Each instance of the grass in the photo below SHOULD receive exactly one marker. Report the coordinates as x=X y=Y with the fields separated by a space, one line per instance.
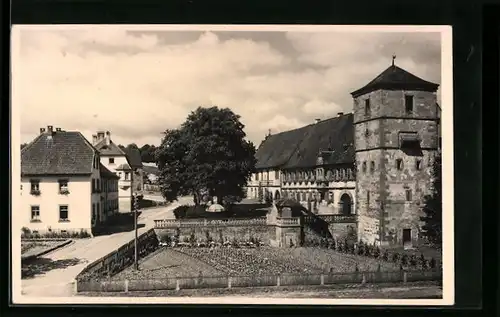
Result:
x=189 y=262
x=368 y=291
x=29 y=248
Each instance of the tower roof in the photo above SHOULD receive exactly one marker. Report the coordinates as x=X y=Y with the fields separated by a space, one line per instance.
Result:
x=396 y=78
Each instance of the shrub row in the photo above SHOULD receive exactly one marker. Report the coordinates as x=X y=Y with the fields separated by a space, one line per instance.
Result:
x=208 y=241
x=369 y=250
x=27 y=234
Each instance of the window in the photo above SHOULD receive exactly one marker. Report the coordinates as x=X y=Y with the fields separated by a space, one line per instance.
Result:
x=111 y=160
x=409 y=104
x=372 y=167
x=35 y=185
x=364 y=167
x=256 y=176
x=63 y=186
x=276 y=175
x=399 y=164
x=367 y=133
x=367 y=107
x=418 y=165
x=367 y=198
x=93 y=185
x=98 y=185
x=63 y=213
x=408 y=195
x=126 y=175
x=35 y=213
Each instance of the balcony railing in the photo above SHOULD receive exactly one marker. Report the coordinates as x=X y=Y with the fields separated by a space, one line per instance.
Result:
x=333 y=218
x=288 y=221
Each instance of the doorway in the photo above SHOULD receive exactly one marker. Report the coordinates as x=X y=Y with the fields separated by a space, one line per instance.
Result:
x=407 y=238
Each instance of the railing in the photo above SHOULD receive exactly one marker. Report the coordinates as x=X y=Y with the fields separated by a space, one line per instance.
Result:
x=173 y=223
x=333 y=218
x=288 y=221
x=224 y=281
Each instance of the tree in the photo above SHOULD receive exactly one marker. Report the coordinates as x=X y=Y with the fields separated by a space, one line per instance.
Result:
x=148 y=153
x=207 y=153
x=432 y=219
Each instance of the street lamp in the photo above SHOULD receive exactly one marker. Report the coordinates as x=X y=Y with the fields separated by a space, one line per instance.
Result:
x=136 y=208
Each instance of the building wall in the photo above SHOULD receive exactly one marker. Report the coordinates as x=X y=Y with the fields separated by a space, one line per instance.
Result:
x=125 y=189
x=382 y=204
x=96 y=201
x=78 y=201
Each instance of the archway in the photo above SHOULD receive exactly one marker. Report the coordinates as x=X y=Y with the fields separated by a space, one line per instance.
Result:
x=277 y=195
x=346 y=204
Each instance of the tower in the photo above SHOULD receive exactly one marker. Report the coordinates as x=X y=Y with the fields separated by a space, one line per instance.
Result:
x=396 y=139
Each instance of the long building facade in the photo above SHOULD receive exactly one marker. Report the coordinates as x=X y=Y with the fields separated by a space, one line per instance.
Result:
x=373 y=164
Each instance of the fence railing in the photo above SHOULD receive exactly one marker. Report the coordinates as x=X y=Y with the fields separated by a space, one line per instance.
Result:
x=198 y=282
x=332 y=218
x=288 y=221
x=173 y=223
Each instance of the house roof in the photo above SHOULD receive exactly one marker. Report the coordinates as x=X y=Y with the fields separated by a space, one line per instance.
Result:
x=395 y=78
x=134 y=157
x=106 y=173
x=151 y=170
x=299 y=148
x=58 y=153
x=123 y=167
x=110 y=149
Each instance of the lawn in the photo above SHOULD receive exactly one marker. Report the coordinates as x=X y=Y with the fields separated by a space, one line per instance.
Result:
x=189 y=262
x=29 y=248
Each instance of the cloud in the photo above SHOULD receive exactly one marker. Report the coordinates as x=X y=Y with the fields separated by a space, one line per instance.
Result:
x=136 y=85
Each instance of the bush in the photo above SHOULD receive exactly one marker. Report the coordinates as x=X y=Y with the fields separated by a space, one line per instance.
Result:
x=413 y=260
x=432 y=264
x=395 y=257
x=385 y=256
x=404 y=260
x=181 y=211
x=376 y=252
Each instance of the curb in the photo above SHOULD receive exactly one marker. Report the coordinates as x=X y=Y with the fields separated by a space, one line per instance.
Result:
x=36 y=255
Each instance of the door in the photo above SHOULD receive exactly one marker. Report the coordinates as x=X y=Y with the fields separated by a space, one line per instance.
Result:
x=407 y=238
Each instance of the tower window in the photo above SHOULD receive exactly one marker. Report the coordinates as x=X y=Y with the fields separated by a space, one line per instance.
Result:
x=372 y=166
x=367 y=107
x=399 y=164
x=418 y=165
x=409 y=104
x=364 y=167
x=367 y=133
x=408 y=195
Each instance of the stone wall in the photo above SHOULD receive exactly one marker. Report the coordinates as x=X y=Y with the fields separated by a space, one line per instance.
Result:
x=242 y=233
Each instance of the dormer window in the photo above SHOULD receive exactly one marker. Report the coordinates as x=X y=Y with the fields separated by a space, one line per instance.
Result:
x=399 y=164
x=409 y=104
x=364 y=167
x=367 y=107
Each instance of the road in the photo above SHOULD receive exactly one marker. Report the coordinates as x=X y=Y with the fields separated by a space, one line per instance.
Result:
x=60 y=281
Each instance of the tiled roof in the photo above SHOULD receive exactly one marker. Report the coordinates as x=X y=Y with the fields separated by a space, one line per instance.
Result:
x=106 y=173
x=300 y=148
x=395 y=78
x=110 y=149
x=59 y=153
x=134 y=157
x=123 y=167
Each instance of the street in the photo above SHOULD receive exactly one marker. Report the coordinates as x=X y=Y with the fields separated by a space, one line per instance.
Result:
x=59 y=281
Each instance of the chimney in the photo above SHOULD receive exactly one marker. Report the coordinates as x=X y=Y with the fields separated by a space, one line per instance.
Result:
x=340 y=114
x=42 y=130
x=50 y=129
x=317 y=120
x=100 y=135
x=94 y=139
x=58 y=129
x=108 y=137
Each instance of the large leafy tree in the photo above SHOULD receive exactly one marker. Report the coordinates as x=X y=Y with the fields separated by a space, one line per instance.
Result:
x=148 y=153
x=207 y=154
x=433 y=213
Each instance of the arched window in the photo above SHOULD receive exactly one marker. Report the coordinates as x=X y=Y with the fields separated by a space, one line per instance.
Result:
x=346 y=204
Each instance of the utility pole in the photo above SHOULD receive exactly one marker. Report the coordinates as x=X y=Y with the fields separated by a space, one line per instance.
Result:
x=136 y=207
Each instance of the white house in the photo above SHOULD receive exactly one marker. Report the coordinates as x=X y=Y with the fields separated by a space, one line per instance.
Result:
x=61 y=181
x=114 y=159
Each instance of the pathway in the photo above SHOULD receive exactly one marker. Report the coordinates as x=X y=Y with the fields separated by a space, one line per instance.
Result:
x=60 y=281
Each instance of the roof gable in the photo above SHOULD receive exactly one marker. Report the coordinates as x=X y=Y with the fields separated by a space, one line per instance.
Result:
x=396 y=78
x=58 y=153
x=300 y=148
x=110 y=149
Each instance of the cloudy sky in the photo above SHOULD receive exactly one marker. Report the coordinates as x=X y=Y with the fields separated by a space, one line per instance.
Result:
x=138 y=83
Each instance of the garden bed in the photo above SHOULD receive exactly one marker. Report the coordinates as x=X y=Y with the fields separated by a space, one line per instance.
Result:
x=191 y=262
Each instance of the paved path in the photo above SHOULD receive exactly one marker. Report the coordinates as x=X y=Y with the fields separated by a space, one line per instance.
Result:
x=60 y=282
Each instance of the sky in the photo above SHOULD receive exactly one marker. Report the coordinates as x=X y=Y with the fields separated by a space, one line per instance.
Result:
x=138 y=83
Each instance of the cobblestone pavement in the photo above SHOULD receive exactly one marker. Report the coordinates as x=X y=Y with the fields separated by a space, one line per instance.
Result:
x=60 y=281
